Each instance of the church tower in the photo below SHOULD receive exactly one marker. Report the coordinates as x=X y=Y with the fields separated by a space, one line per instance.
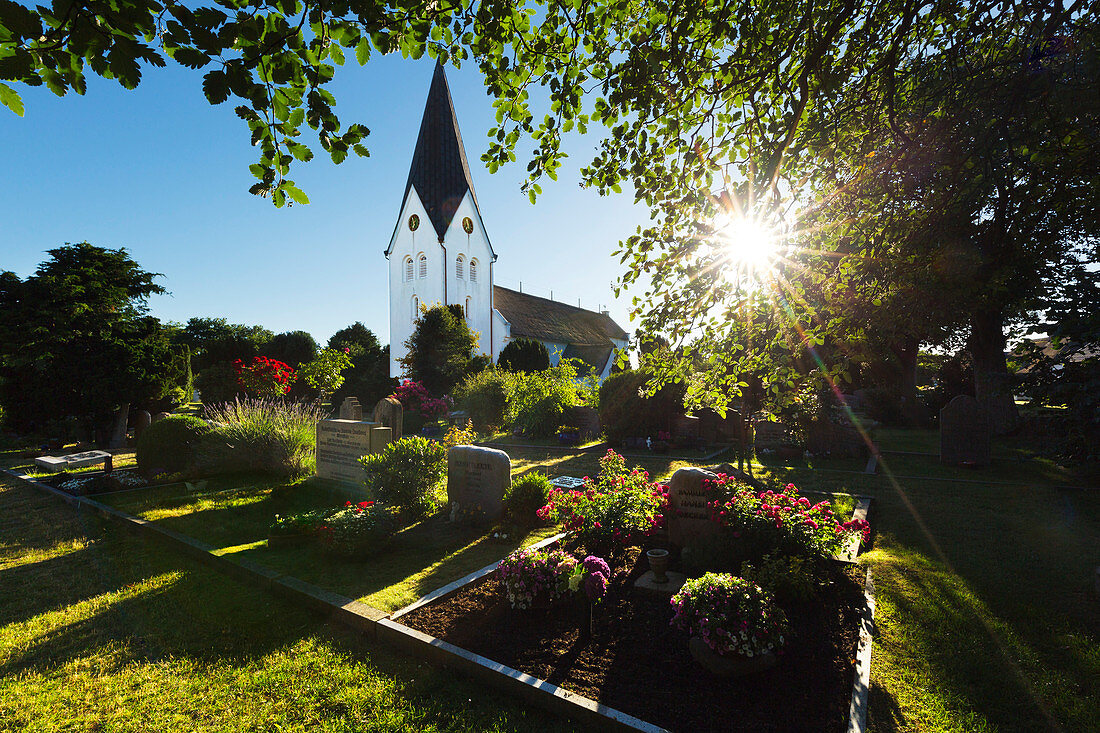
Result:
x=439 y=251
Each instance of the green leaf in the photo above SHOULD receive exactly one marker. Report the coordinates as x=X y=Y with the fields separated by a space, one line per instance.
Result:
x=215 y=86
x=10 y=99
x=362 y=51
x=294 y=192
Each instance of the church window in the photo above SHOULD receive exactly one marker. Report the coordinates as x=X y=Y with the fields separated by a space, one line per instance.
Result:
x=468 y=309
x=473 y=271
x=423 y=266
x=408 y=269
x=460 y=267
x=415 y=307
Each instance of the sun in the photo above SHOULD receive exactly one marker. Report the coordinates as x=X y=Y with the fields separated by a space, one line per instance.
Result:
x=747 y=243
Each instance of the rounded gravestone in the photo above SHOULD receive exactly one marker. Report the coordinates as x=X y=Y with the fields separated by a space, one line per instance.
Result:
x=142 y=420
x=688 y=514
x=477 y=479
x=388 y=412
x=965 y=435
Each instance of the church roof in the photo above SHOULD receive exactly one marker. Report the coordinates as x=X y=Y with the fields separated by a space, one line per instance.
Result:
x=587 y=334
x=439 y=170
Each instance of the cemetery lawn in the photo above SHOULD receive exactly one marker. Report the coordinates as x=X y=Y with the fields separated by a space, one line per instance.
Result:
x=986 y=613
x=233 y=514
x=100 y=630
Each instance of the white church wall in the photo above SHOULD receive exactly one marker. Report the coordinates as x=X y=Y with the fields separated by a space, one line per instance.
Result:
x=502 y=333
x=473 y=295
x=427 y=290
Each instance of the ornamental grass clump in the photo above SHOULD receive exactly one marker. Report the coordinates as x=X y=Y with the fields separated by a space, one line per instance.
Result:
x=779 y=520
x=615 y=510
x=537 y=577
x=731 y=615
x=271 y=436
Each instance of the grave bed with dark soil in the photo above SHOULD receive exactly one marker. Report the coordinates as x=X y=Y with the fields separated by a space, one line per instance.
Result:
x=637 y=663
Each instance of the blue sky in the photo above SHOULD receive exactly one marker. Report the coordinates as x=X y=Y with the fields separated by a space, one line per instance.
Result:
x=162 y=173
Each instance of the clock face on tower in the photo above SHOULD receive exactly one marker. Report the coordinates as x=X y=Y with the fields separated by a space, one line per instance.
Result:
x=414 y=222
x=468 y=225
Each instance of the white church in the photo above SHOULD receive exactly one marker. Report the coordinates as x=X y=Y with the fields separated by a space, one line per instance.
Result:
x=440 y=253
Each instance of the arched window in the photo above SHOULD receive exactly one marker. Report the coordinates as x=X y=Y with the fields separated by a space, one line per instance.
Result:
x=473 y=271
x=468 y=300
x=408 y=269
x=460 y=267
x=423 y=266
x=415 y=307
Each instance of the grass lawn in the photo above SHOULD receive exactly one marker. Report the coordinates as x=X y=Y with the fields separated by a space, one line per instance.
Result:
x=986 y=615
x=100 y=630
x=424 y=557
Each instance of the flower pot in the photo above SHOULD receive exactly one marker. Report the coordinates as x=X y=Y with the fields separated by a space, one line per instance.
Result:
x=728 y=666
x=658 y=563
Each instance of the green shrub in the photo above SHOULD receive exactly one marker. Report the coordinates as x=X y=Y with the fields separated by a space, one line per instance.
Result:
x=218 y=383
x=524 y=355
x=789 y=577
x=484 y=396
x=408 y=473
x=272 y=436
x=624 y=413
x=526 y=496
x=169 y=445
x=538 y=401
x=358 y=530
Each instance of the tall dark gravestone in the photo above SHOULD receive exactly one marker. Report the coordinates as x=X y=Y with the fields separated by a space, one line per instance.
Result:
x=477 y=479
x=689 y=516
x=965 y=435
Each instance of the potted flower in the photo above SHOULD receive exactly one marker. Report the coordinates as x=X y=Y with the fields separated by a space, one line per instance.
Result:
x=734 y=624
x=569 y=435
x=536 y=578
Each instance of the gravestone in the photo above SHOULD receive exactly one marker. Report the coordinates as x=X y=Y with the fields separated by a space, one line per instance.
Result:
x=142 y=420
x=689 y=519
x=965 y=436
x=76 y=460
x=351 y=409
x=769 y=435
x=477 y=479
x=340 y=444
x=388 y=412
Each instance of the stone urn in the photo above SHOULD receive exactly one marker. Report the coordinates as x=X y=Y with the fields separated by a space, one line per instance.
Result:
x=728 y=666
x=658 y=563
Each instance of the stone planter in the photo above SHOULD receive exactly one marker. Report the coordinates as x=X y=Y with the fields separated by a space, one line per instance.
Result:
x=723 y=666
x=658 y=563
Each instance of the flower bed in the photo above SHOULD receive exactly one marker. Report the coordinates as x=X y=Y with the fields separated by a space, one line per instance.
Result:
x=638 y=662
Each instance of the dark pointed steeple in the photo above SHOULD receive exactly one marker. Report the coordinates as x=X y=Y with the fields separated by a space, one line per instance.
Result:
x=439 y=170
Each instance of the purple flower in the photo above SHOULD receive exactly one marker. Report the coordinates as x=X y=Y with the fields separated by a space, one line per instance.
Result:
x=595 y=564
x=595 y=585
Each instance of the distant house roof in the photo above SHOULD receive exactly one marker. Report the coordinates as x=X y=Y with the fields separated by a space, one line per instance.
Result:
x=588 y=335
x=439 y=170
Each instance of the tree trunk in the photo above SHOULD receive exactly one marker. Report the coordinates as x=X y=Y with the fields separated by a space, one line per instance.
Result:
x=118 y=435
x=906 y=350
x=992 y=382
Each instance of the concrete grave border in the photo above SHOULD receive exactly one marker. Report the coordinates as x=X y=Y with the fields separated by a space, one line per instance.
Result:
x=379 y=625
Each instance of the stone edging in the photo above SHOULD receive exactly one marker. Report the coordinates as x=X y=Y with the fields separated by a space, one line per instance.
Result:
x=861 y=688
x=376 y=623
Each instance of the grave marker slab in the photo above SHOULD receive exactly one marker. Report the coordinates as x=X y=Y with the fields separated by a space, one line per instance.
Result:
x=388 y=412
x=76 y=460
x=689 y=516
x=340 y=444
x=477 y=479
x=965 y=433
x=351 y=409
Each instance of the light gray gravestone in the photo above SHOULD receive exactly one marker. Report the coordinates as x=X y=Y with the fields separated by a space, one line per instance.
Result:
x=477 y=479
x=388 y=412
x=351 y=409
x=76 y=460
x=340 y=445
x=688 y=514
x=380 y=437
x=965 y=435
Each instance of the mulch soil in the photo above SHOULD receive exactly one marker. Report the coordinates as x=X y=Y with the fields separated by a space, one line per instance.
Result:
x=639 y=664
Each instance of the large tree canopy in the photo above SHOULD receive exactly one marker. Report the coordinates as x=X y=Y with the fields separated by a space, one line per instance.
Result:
x=75 y=340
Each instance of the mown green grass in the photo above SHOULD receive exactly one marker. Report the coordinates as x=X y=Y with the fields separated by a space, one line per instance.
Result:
x=423 y=557
x=986 y=615
x=101 y=631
